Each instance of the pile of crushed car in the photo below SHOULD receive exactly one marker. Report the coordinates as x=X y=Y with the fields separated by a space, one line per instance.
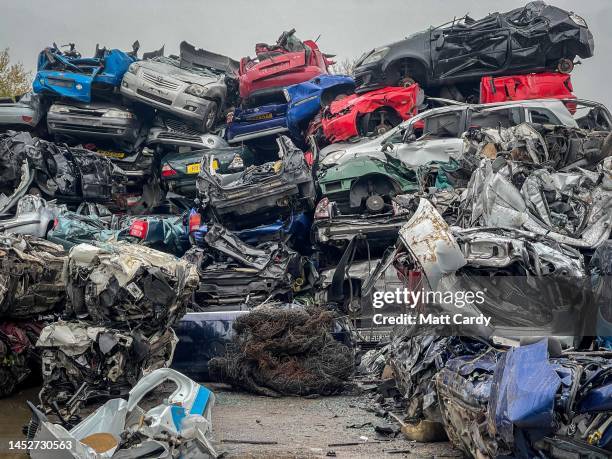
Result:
x=180 y=210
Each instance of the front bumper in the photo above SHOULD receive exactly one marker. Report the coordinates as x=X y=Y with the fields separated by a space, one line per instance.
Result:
x=176 y=101
x=93 y=126
x=376 y=229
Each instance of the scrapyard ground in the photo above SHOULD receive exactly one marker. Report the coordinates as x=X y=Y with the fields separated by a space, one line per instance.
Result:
x=300 y=427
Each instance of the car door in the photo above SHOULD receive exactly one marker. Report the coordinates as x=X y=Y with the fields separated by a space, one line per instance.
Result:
x=470 y=49
x=440 y=140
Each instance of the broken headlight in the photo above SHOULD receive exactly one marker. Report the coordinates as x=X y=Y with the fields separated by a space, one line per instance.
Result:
x=196 y=90
x=377 y=55
x=578 y=20
x=116 y=113
x=236 y=164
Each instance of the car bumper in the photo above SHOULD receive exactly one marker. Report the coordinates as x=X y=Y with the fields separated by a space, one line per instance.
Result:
x=93 y=126
x=342 y=229
x=175 y=102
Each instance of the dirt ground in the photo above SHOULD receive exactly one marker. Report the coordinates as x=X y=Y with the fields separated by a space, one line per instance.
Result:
x=305 y=428
x=287 y=427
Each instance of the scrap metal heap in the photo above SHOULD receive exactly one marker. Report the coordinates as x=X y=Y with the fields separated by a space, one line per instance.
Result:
x=123 y=300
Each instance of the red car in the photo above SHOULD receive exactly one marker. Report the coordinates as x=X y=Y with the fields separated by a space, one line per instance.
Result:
x=374 y=112
x=523 y=87
x=288 y=62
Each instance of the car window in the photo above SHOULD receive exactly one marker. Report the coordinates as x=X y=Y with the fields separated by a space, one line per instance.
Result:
x=443 y=126
x=495 y=118
x=543 y=116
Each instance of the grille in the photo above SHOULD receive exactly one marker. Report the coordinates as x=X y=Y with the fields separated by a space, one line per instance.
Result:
x=179 y=136
x=158 y=80
x=179 y=126
x=148 y=95
x=85 y=112
x=64 y=83
x=86 y=128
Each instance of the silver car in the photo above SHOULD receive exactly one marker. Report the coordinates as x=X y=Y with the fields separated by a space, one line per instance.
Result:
x=192 y=87
x=22 y=114
x=98 y=120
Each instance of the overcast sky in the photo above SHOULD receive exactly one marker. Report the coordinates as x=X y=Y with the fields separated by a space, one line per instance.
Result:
x=232 y=27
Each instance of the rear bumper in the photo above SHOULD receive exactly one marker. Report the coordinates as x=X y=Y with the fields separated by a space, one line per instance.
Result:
x=343 y=229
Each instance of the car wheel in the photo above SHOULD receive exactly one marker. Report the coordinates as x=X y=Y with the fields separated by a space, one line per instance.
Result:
x=565 y=66
x=406 y=81
x=210 y=116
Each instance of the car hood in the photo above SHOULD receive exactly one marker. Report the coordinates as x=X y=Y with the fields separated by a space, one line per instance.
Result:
x=178 y=73
x=337 y=153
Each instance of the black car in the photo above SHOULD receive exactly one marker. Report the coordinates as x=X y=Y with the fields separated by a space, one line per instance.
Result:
x=449 y=60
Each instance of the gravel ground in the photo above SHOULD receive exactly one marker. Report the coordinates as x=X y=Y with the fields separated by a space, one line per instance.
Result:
x=305 y=428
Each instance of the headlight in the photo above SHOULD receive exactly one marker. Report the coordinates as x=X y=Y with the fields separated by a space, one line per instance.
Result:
x=286 y=94
x=196 y=90
x=114 y=113
x=133 y=68
x=59 y=109
x=377 y=55
x=578 y=20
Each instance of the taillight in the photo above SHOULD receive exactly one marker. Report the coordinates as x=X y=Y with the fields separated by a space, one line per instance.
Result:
x=55 y=222
x=139 y=229
x=309 y=158
x=195 y=221
x=322 y=209
x=167 y=171
x=26 y=119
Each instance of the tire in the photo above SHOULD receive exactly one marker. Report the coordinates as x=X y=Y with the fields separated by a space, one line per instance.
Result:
x=210 y=116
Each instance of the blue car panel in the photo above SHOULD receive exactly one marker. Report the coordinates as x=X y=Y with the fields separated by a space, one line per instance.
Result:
x=305 y=98
x=252 y=123
x=74 y=78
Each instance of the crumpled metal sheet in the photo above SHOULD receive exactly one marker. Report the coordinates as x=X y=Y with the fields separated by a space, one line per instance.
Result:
x=103 y=360
x=30 y=277
x=17 y=353
x=233 y=272
x=524 y=403
x=128 y=286
x=574 y=208
x=180 y=426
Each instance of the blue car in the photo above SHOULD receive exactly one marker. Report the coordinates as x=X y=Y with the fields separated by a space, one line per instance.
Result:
x=67 y=74
x=304 y=102
x=306 y=99
x=252 y=123
x=296 y=227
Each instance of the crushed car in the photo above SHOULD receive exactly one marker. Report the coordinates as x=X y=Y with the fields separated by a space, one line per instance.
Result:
x=548 y=85
x=181 y=425
x=289 y=61
x=235 y=273
x=31 y=277
x=21 y=113
x=193 y=86
x=260 y=194
x=372 y=113
x=452 y=58
x=66 y=74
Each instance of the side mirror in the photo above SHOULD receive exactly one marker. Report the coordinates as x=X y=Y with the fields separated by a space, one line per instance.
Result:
x=440 y=42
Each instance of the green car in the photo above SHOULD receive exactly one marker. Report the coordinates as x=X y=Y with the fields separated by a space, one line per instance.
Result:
x=366 y=183
x=179 y=170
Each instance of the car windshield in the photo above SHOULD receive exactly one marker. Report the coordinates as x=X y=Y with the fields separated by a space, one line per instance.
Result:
x=198 y=70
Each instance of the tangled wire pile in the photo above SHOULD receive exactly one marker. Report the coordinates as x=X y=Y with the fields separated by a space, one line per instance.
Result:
x=281 y=351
